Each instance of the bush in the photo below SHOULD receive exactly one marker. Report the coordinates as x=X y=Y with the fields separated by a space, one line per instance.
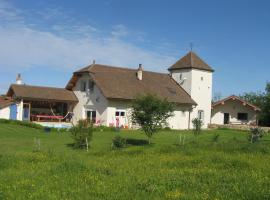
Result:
x=82 y=134
x=197 y=126
x=255 y=134
x=119 y=142
x=22 y=123
x=167 y=129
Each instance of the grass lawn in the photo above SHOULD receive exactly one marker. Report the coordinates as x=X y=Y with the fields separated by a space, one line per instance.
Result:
x=202 y=168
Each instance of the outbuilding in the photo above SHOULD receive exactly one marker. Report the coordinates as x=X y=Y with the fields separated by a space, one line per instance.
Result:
x=6 y=105
x=234 y=110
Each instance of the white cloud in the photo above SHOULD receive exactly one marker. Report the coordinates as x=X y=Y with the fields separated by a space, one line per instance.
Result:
x=68 y=46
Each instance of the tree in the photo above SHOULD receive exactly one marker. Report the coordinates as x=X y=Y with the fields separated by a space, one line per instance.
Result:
x=82 y=134
x=262 y=100
x=197 y=126
x=151 y=113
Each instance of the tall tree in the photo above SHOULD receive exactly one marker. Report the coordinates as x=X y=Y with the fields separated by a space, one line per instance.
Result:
x=262 y=100
x=151 y=113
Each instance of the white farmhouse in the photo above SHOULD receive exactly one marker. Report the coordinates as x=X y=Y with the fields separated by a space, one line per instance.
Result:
x=103 y=94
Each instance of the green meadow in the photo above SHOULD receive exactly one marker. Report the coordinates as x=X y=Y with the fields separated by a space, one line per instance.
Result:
x=218 y=164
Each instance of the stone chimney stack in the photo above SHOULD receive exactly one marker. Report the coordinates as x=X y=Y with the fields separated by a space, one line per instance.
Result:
x=19 y=79
x=140 y=72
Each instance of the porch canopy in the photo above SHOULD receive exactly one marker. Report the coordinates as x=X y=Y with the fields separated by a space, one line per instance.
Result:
x=43 y=103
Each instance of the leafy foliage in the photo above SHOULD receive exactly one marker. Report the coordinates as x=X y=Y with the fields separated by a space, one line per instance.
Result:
x=255 y=134
x=21 y=123
x=151 y=113
x=197 y=126
x=262 y=100
x=81 y=133
x=119 y=142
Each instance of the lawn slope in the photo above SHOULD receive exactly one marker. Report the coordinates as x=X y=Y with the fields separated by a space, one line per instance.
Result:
x=205 y=167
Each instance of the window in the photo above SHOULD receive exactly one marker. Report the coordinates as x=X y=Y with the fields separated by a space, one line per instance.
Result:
x=91 y=86
x=120 y=113
x=242 y=116
x=91 y=116
x=201 y=78
x=201 y=115
x=83 y=86
x=180 y=76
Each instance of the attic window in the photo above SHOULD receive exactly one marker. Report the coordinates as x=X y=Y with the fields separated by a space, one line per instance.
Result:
x=91 y=86
x=83 y=86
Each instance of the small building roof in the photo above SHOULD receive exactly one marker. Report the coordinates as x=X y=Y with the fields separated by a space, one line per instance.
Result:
x=5 y=101
x=189 y=61
x=29 y=92
x=122 y=83
x=235 y=98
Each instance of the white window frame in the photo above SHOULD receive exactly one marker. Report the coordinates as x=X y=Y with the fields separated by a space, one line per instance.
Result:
x=201 y=115
x=120 y=111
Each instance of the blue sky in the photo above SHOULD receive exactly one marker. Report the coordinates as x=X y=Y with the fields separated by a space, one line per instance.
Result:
x=47 y=40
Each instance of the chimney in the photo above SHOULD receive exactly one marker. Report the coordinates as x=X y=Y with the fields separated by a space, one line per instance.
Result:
x=139 y=72
x=19 y=79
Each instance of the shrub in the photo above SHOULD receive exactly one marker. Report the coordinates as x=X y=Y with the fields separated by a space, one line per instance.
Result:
x=255 y=134
x=197 y=126
x=22 y=123
x=167 y=129
x=82 y=134
x=119 y=142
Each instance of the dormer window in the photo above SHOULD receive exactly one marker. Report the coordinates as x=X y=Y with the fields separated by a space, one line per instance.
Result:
x=91 y=86
x=83 y=86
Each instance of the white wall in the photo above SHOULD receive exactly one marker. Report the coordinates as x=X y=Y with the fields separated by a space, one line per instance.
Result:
x=95 y=101
x=180 y=120
x=198 y=84
x=119 y=105
x=5 y=113
x=232 y=107
x=20 y=110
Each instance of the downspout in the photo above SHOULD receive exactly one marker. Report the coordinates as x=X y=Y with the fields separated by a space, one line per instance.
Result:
x=189 y=115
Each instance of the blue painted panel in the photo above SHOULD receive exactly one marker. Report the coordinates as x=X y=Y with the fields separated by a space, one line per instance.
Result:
x=13 y=111
x=25 y=113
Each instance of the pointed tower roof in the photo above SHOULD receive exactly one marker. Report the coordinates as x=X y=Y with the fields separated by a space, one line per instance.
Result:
x=189 y=61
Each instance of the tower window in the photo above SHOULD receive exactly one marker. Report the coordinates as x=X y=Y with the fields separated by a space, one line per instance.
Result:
x=201 y=115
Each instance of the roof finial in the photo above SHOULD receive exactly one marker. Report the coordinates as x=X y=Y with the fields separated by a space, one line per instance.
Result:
x=94 y=61
x=191 y=46
x=19 y=79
